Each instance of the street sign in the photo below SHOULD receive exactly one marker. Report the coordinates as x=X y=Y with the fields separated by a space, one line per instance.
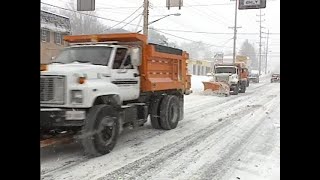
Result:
x=174 y=3
x=86 y=5
x=252 y=4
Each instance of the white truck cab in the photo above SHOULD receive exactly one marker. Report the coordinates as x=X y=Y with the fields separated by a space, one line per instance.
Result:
x=107 y=69
x=228 y=74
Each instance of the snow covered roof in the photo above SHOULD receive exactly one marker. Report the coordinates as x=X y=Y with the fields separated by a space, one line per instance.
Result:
x=55 y=22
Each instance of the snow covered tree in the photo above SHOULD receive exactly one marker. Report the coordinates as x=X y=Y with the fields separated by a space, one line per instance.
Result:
x=198 y=50
x=248 y=49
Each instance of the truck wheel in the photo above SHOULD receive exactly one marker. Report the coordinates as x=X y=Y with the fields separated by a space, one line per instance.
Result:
x=181 y=108
x=243 y=88
x=169 y=112
x=235 y=90
x=155 y=112
x=101 y=130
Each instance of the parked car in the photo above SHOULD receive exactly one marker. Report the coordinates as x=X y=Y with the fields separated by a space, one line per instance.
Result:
x=275 y=78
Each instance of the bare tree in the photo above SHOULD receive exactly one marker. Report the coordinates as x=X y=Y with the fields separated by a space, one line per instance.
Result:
x=80 y=23
x=157 y=38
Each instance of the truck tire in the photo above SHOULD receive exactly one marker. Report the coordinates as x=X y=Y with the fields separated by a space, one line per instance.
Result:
x=235 y=90
x=155 y=112
x=169 y=112
x=181 y=108
x=101 y=130
x=243 y=88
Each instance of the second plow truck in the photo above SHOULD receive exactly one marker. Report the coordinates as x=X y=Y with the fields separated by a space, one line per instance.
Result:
x=229 y=79
x=104 y=82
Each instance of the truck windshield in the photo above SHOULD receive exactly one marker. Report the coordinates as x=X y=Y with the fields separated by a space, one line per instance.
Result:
x=94 y=55
x=231 y=70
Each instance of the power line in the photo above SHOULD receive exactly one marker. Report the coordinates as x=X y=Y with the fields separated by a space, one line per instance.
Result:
x=203 y=32
x=174 y=30
x=125 y=18
x=139 y=15
x=208 y=16
x=138 y=23
x=85 y=13
x=206 y=7
x=129 y=23
x=192 y=5
x=187 y=39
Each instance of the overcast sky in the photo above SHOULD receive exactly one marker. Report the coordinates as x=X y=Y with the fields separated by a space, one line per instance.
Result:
x=214 y=16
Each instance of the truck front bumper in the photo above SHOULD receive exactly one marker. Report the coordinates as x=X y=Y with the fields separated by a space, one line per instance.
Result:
x=58 y=117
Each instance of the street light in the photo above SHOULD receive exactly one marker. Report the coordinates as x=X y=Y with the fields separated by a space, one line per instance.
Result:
x=175 y=14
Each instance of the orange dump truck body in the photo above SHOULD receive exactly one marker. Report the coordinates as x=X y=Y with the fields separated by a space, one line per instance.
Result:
x=242 y=66
x=162 y=68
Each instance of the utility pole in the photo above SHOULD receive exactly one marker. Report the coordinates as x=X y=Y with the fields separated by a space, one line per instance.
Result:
x=267 y=50
x=145 y=17
x=235 y=31
x=260 y=37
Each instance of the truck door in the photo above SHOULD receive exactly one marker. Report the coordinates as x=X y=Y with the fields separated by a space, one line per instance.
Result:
x=125 y=75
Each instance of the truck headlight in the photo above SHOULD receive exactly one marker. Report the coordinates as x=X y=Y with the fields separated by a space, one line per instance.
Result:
x=76 y=96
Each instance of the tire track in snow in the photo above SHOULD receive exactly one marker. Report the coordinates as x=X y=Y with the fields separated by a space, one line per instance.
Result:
x=203 y=102
x=154 y=160
x=215 y=145
x=218 y=168
x=225 y=103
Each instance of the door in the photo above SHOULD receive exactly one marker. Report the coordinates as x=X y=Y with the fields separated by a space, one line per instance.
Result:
x=125 y=75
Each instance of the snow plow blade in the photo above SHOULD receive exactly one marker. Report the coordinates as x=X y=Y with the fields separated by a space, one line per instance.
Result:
x=56 y=140
x=217 y=87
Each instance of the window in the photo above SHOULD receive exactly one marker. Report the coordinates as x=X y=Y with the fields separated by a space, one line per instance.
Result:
x=57 y=38
x=97 y=55
x=45 y=35
x=127 y=64
x=194 y=69
x=231 y=70
x=207 y=70
x=119 y=62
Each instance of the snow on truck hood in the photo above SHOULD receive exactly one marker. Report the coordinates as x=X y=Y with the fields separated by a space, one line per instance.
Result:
x=81 y=68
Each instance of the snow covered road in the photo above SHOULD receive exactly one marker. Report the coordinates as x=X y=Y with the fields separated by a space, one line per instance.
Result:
x=235 y=137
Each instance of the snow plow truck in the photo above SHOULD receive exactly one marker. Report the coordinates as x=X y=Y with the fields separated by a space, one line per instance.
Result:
x=102 y=83
x=228 y=79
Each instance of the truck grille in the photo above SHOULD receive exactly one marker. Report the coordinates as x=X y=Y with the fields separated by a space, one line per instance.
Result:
x=52 y=89
x=222 y=78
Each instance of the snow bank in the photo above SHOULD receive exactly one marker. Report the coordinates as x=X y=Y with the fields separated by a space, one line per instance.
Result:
x=198 y=87
x=196 y=82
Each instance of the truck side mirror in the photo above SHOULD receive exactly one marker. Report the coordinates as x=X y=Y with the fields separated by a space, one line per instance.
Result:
x=135 y=54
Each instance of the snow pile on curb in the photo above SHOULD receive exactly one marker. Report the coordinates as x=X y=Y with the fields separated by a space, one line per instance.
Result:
x=196 y=82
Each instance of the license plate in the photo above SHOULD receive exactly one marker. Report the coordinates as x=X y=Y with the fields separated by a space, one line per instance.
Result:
x=75 y=115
